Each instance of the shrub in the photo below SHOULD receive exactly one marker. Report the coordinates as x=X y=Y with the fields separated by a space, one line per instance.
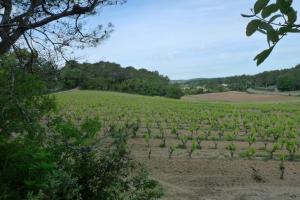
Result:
x=175 y=131
x=135 y=128
x=184 y=140
x=291 y=146
x=251 y=139
x=174 y=91
x=192 y=148
x=250 y=152
x=281 y=166
x=199 y=140
x=275 y=147
x=172 y=148
x=232 y=148
x=52 y=158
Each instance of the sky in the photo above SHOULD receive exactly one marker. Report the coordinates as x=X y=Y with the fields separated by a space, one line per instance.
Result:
x=186 y=39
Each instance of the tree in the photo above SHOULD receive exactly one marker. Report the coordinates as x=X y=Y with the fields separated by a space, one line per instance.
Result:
x=274 y=19
x=287 y=82
x=43 y=156
x=113 y=77
x=71 y=75
x=174 y=91
x=45 y=26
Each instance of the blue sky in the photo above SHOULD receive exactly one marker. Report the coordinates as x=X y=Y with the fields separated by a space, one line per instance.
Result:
x=186 y=39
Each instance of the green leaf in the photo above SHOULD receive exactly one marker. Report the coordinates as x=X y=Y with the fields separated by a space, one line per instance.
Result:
x=284 y=30
x=294 y=30
x=247 y=16
x=272 y=19
x=252 y=27
x=265 y=26
x=262 y=31
x=292 y=16
x=259 y=5
x=285 y=7
x=273 y=36
x=284 y=4
x=267 y=11
x=260 y=58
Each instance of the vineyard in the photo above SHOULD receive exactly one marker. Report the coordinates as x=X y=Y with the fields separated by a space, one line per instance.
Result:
x=168 y=130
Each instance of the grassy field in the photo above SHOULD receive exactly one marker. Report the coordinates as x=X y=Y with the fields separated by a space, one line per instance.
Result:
x=203 y=150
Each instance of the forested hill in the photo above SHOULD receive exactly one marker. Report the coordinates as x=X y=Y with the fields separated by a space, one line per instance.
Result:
x=284 y=80
x=113 y=77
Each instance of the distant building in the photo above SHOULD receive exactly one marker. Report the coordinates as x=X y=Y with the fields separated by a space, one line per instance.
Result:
x=202 y=88
x=186 y=88
x=225 y=85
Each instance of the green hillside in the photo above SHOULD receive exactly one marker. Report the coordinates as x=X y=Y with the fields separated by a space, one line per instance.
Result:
x=283 y=80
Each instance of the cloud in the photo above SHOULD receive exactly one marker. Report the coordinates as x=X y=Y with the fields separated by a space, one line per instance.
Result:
x=186 y=39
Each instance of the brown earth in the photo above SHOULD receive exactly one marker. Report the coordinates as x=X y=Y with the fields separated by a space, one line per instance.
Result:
x=233 y=96
x=211 y=175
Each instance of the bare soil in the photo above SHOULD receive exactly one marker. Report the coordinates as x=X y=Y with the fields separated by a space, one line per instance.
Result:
x=233 y=96
x=212 y=175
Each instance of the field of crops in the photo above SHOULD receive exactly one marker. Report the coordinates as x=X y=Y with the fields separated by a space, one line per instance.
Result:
x=168 y=129
x=186 y=125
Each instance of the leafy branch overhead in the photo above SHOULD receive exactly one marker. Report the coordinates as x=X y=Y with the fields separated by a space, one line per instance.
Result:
x=47 y=26
x=274 y=19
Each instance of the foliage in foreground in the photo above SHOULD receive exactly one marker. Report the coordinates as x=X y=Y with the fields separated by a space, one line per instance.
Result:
x=48 y=157
x=275 y=19
x=67 y=166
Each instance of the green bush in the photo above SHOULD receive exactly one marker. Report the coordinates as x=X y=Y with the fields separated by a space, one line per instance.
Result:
x=43 y=156
x=174 y=92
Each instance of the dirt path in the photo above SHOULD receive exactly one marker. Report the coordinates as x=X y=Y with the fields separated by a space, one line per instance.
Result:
x=233 y=96
x=185 y=179
x=210 y=175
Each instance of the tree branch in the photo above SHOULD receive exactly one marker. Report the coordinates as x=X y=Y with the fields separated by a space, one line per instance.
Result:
x=41 y=13
x=7 y=5
x=76 y=10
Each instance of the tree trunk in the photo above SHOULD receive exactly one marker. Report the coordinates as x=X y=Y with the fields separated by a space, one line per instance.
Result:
x=4 y=47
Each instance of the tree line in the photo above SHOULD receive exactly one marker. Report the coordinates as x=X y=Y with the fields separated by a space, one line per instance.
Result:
x=112 y=77
x=283 y=80
x=102 y=75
